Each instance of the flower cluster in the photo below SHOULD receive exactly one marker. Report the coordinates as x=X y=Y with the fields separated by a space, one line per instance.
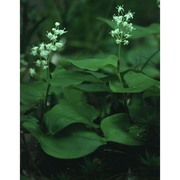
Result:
x=44 y=50
x=123 y=29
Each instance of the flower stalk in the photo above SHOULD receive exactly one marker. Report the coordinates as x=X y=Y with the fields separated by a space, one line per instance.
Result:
x=122 y=32
x=44 y=52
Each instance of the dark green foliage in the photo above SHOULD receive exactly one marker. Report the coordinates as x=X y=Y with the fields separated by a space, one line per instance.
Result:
x=93 y=123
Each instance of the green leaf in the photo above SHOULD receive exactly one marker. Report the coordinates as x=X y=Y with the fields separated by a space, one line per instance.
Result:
x=95 y=64
x=116 y=129
x=27 y=119
x=110 y=23
x=73 y=142
x=151 y=71
x=141 y=32
x=73 y=95
x=97 y=74
x=66 y=113
x=93 y=87
x=137 y=82
x=67 y=78
x=154 y=91
x=32 y=92
x=137 y=108
x=145 y=57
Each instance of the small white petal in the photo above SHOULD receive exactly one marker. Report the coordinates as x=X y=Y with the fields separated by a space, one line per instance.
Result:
x=44 y=54
x=59 y=44
x=126 y=42
x=120 y=8
x=57 y=24
x=118 y=41
x=38 y=63
x=32 y=72
x=44 y=62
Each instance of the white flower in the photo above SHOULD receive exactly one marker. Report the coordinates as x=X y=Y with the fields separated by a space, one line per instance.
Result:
x=120 y=8
x=127 y=36
x=124 y=23
x=34 y=53
x=118 y=41
x=59 y=44
x=42 y=47
x=51 y=36
x=130 y=27
x=57 y=24
x=38 y=63
x=54 y=48
x=51 y=47
x=44 y=54
x=126 y=42
x=116 y=32
x=34 y=50
x=32 y=72
x=45 y=67
x=123 y=27
x=117 y=19
x=44 y=62
x=128 y=16
x=62 y=31
x=57 y=31
x=44 y=50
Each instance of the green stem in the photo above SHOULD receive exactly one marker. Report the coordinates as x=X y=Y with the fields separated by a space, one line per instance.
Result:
x=119 y=54
x=118 y=64
x=44 y=106
x=120 y=78
x=49 y=85
x=46 y=97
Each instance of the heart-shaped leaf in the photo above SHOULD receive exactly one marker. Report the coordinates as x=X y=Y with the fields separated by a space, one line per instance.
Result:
x=116 y=129
x=65 y=78
x=72 y=142
x=95 y=64
x=66 y=113
x=93 y=87
x=32 y=92
x=137 y=82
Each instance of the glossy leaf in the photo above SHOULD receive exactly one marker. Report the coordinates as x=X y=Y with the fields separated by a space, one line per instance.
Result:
x=141 y=32
x=110 y=23
x=28 y=119
x=95 y=64
x=66 y=113
x=65 y=78
x=137 y=82
x=154 y=91
x=32 y=92
x=73 y=95
x=72 y=142
x=93 y=87
x=137 y=108
x=116 y=129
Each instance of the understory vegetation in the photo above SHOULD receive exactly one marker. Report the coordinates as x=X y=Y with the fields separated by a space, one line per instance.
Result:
x=90 y=82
